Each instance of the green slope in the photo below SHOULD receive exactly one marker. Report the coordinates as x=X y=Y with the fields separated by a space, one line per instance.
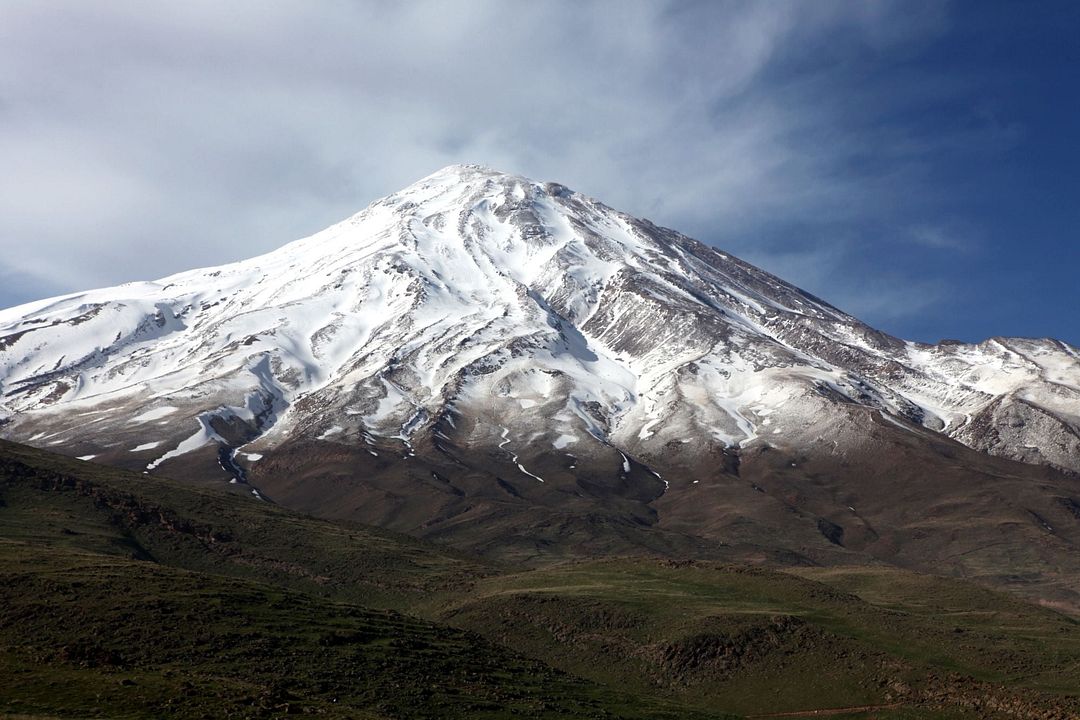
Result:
x=95 y=635
x=126 y=596
x=758 y=641
x=216 y=530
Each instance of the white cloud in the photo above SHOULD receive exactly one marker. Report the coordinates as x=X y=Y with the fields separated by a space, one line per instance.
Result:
x=141 y=140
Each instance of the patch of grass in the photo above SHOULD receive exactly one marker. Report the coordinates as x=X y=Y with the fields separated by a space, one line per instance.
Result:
x=105 y=636
x=65 y=502
x=956 y=625
x=757 y=641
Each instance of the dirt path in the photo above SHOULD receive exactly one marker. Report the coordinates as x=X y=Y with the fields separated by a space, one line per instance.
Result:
x=826 y=712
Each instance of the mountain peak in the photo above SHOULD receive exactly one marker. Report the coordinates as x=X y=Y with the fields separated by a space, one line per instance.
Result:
x=535 y=311
x=465 y=172
x=467 y=169
x=480 y=179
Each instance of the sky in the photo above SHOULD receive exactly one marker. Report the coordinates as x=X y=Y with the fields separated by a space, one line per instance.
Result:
x=915 y=163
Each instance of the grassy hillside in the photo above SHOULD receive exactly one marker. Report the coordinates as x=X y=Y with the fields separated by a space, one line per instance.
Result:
x=758 y=641
x=91 y=635
x=125 y=596
x=220 y=529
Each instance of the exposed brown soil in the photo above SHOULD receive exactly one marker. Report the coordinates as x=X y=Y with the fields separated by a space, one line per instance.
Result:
x=911 y=498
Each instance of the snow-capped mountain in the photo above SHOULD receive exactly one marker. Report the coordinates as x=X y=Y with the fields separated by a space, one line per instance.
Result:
x=520 y=370
x=490 y=310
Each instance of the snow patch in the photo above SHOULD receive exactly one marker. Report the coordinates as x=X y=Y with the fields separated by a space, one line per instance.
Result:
x=332 y=431
x=204 y=435
x=563 y=440
x=155 y=414
x=513 y=456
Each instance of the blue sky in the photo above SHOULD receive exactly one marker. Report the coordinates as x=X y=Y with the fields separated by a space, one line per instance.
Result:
x=915 y=163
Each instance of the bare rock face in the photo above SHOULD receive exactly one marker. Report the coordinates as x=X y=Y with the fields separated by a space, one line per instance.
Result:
x=492 y=360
